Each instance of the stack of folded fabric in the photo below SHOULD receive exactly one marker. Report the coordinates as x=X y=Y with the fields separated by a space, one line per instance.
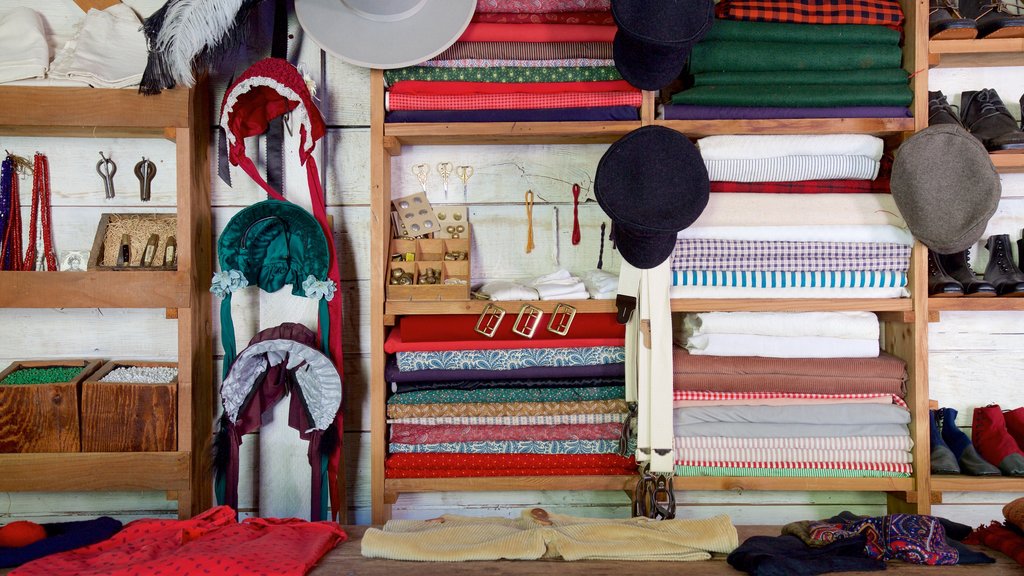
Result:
x=543 y=60
x=762 y=60
x=464 y=404
x=788 y=394
x=862 y=261
x=557 y=285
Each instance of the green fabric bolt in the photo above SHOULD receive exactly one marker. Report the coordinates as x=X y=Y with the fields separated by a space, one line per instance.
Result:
x=767 y=56
x=49 y=375
x=486 y=395
x=505 y=74
x=796 y=96
x=879 y=76
x=737 y=30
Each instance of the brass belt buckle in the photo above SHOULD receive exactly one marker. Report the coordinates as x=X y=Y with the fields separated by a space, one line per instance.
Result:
x=527 y=321
x=490 y=318
x=561 y=318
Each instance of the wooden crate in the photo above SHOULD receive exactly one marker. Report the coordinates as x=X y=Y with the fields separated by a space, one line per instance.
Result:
x=429 y=253
x=129 y=417
x=42 y=417
x=102 y=245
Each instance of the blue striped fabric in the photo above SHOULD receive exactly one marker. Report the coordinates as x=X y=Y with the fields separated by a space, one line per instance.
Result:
x=781 y=279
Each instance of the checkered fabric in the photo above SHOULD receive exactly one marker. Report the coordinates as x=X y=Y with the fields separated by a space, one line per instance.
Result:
x=710 y=396
x=873 y=12
x=771 y=255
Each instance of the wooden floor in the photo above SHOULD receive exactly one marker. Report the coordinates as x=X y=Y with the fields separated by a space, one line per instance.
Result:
x=346 y=559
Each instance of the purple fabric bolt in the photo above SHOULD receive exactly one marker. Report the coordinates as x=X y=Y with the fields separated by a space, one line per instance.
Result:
x=393 y=374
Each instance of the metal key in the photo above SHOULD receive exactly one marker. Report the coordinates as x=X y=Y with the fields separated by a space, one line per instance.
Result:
x=145 y=171
x=106 y=169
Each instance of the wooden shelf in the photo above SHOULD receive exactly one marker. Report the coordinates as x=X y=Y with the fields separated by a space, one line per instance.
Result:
x=88 y=471
x=510 y=132
x=106 y=289
x=1008 y=163
x=976 y=484
x=970 y=53
x=53 y=111
x=875 y=126
x=678 y=305
x=976 y=304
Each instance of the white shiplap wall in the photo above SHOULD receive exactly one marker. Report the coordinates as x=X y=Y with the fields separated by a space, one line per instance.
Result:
x=975 y=358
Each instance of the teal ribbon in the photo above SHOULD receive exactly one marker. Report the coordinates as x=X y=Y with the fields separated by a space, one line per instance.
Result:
x=227 y=335
x=325 y=327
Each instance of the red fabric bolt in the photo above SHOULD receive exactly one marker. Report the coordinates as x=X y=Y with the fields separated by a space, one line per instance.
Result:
x=599 y=18
x=459 y=87
x=459 y=327
x=21 y=533
x=487 y=32
x=990 y=436
x=394 y=343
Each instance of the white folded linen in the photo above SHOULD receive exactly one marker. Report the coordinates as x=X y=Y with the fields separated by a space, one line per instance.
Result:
x=862 y=325
x=24 y=52
x=559 y=285
x=600 y=285
x=109 y=50
x=793 y=169
x=755 y=146
x=781 y=346
x=751 y=209
x=507 y=290
x=734 y=292
x=883 y=233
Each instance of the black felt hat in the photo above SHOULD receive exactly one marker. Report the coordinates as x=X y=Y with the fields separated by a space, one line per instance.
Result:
x=652 y=183
x=654 y=38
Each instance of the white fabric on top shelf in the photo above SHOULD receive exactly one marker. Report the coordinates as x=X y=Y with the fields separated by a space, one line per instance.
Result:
x=500 y=290
x=109 y=50
x=793 y=169
x=24 y=53
x=752 y=209
x=559 y=285
x=600 y=285
x=863 y=325
x=734 y=292
x=755 y=146
x=838 y=233
x=781 y=346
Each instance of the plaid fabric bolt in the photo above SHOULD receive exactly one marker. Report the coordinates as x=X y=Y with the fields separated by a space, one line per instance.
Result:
x=710 y=396
x=877 y=186
x=777 y=255
x=871 y=12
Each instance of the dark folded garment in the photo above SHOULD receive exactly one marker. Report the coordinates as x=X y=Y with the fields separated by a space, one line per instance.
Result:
x=787 y=555
x=61 y=537
x=738 y=30
x=718 y=56
x=403 y=387
x=695 y=112
x=796 y=96
x=799 y=77
x=596 y=114
x=393 y=374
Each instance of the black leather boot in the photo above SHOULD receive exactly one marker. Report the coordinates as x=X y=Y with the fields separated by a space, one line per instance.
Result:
x=1001 y=270
x=940 y=111
x=941 y=284
x=958 y=266
x=985 y=116
x=995 y=18
x=946 y=23
x=1020 y=251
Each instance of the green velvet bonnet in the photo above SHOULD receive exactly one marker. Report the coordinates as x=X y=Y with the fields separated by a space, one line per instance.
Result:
x=269 y=245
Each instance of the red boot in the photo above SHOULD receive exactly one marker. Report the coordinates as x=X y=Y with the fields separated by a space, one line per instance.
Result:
x=1015 y=424
x=994 y=442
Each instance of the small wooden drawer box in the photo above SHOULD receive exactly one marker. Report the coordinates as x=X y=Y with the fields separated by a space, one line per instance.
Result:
x=127 y=416
x=428 y=271
x=42 y=417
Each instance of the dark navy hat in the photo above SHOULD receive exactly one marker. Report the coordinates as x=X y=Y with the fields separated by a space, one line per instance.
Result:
x=654 y=38
x=652 y=183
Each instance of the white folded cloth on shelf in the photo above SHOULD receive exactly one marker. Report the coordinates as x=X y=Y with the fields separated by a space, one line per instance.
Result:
x=883 y=233
x=24 y=52
x=755 y=146
x=735 y=292
x=751 y=209
x=108 y=51
x=600 y=285
x=862 y=325
x=793 y=169
x=500 y=290
x=781 y=346
x=559 y=285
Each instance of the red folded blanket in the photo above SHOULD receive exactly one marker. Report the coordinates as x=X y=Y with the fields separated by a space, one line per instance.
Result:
x=514 y=101
x=394 y=344
x=877 y=186
x=874 y=12
x=430 y=87
x=488 y=32
x=459 y=327
x=519 y=6
x=999 y=537
x=598 y=18
x=499 y=472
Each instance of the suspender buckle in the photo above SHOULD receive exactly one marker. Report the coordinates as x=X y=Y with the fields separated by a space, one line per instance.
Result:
x=561 y=318
x=489 y=320
x=625 y=305
x=527 y=321
x=654 y=496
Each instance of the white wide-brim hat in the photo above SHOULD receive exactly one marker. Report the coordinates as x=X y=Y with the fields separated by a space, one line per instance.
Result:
x=384 y=33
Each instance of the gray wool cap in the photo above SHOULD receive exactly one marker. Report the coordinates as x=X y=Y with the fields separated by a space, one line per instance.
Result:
x=945 y=187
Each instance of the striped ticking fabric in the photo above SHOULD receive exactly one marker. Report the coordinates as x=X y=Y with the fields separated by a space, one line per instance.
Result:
x=527 y=51
x=712 y=397
x=811 y=443
x=790 y=168
x=514 y=420
x=792 y=455
x=874 y=466
x=787 y=472
x=718 y=254
x=780 y=279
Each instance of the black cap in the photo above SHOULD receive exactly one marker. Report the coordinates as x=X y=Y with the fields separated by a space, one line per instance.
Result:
x=654 y=38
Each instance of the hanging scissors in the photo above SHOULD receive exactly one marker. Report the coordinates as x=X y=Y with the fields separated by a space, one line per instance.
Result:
x=464 y=173
x=421 y=171
x=445 y=170
x=106 y=169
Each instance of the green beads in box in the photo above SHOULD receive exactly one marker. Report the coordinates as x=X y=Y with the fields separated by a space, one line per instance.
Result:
x=52 y=374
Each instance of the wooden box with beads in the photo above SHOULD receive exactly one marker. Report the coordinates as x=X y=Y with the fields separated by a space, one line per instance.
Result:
x=429 y=269
x=135 y=242
x=130 y=406
x=39 y=405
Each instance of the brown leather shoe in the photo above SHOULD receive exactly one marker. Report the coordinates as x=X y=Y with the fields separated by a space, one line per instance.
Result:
x=983 y=113
x=995 y=18
x=946 y=23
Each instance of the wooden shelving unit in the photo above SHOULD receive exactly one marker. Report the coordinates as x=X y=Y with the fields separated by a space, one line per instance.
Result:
x=976 y=304
x=977 y=484
x=182 y=116
x=1008 y=163
x=905 y=320
x=974 y=53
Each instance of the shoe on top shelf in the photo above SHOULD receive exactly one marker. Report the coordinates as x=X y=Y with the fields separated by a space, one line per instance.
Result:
x=995 y=18
x=940 y=283
x=958 y=266
x=1001 y=271
x=946 y=23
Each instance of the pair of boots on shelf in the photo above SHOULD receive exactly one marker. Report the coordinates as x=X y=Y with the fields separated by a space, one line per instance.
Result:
x=999 y=436
x=951 y=449
x=951 y=275
x=983 y=114
x=967 y=19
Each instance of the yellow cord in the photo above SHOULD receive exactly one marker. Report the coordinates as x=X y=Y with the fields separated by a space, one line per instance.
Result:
x=529 y=221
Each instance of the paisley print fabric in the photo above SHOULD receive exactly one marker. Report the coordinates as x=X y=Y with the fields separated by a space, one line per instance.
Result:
x=510 y=359
x=507 y=409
